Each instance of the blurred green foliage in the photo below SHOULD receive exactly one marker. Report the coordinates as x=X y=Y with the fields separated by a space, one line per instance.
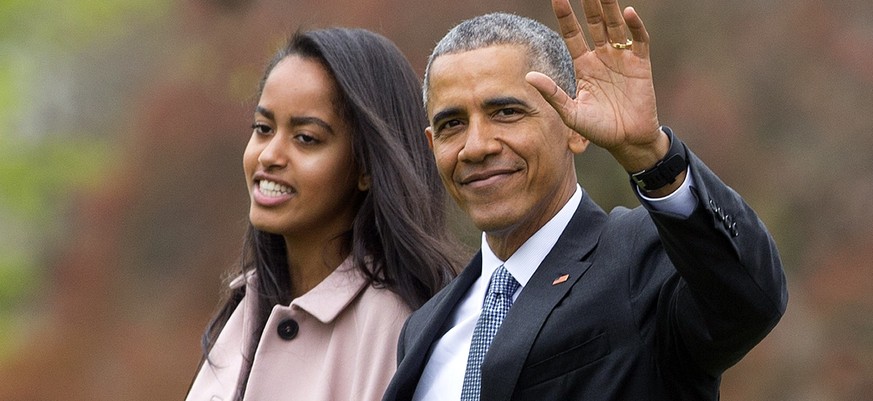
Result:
x=36 y=178
x=89 y=86
x=54 y=22
x=39 y=171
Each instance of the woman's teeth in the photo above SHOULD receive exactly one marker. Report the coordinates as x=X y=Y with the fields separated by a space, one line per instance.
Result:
x=273 y=189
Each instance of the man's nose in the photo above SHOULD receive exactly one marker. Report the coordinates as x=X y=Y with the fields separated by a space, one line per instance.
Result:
x=480 y=142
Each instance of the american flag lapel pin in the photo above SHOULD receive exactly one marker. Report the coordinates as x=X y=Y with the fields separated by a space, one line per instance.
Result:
x=561 y=279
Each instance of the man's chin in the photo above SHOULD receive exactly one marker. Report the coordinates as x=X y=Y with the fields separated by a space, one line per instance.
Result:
x=493 y=224
x=487 y=219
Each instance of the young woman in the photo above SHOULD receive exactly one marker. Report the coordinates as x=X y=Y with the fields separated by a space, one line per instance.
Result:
x=347 y=232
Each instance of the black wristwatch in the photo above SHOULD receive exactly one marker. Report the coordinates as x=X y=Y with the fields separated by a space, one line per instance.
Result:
x=667 y=169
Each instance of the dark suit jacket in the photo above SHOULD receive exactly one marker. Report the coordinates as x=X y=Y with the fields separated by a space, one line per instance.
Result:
x=655 y=308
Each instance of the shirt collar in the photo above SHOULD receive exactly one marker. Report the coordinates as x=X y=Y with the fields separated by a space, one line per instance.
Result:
x=524 y=262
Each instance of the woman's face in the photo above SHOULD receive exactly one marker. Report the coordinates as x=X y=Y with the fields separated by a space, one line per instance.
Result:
x=298 y=163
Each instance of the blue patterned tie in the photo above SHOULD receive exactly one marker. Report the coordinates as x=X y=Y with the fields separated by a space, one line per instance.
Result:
x=498 y=299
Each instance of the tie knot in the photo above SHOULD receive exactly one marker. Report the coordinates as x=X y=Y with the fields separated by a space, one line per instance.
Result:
x=502 y=282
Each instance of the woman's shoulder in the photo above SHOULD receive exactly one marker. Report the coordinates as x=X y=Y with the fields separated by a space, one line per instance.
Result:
x=380 y=300
x=377 y=308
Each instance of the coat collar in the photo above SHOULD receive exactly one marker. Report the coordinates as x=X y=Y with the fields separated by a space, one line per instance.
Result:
x=330 y=297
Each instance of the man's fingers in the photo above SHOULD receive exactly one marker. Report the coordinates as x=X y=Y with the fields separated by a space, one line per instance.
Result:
x=553 y=93
x=570 y=28
x=638 y=32
x=614 y=20
x=596 y=23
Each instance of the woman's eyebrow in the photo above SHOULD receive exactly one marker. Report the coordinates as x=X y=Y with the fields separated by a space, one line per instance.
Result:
x=296 y=121
x=305 y=120
x=264 y=112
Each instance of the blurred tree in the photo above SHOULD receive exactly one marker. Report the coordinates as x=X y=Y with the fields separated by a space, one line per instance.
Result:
x=44 y=159
x=122 y=201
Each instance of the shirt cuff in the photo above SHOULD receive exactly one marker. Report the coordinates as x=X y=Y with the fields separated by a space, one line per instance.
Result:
x=681 y=202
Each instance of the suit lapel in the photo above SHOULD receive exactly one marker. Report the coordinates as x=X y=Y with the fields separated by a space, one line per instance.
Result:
x=429 y=325
x=547 y=286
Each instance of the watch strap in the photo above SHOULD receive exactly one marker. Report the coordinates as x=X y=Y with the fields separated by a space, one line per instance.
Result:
x=667 y=169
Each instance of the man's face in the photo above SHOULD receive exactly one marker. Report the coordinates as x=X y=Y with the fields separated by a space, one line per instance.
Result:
x=502 y=151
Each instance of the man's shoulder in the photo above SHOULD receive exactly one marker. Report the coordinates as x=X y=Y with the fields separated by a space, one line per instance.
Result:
x=629 y=233
x=627 y=213
x=623 y=218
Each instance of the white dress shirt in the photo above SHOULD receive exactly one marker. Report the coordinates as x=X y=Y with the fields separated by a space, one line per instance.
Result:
x=443 y=375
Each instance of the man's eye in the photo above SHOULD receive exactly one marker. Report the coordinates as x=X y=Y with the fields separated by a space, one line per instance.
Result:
x=452 y=123
x=448 y=125
x=508 y=115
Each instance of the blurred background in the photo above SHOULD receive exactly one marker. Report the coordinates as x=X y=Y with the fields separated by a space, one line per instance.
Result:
x=122 y=199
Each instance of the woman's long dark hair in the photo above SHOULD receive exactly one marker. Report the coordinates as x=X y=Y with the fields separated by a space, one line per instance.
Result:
x=399 y=238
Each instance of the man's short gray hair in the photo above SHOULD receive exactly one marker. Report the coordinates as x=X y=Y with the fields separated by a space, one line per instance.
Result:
x=546 y=51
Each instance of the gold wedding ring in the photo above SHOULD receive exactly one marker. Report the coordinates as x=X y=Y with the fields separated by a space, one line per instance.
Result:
x=622 y=46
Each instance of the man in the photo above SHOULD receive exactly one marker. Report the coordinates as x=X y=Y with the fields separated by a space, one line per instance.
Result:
x=565 y=302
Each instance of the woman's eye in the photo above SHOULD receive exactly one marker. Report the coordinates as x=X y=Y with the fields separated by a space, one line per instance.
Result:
x=306 y=139
x=261 y=129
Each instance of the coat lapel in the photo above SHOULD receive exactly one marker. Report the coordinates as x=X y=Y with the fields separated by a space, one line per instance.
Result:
x=426 y=326
x=559 y=271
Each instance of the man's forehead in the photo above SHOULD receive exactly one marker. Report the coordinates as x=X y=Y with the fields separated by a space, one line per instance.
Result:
x=517 y=51
x=493 y=67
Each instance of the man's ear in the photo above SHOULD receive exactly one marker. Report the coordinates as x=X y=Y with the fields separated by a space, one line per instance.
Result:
x=429 y=132
x=576 y=142
x=364 y=182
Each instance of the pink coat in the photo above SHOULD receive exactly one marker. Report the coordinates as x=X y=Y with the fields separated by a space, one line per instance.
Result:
x=336 y=342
